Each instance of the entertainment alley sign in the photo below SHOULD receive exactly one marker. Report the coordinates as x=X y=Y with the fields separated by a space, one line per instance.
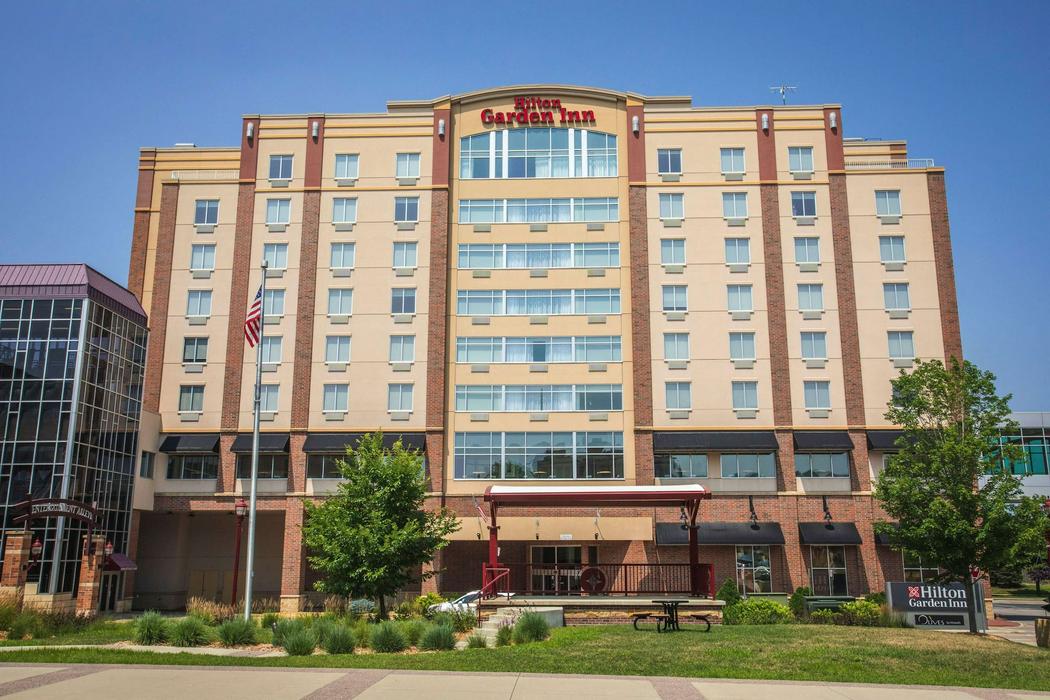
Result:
x=538 y=110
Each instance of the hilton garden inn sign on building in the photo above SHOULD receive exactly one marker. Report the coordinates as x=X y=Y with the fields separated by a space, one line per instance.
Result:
x=546 y=286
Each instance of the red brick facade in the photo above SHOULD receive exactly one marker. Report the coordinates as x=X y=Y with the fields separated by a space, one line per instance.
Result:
x=942 y=254
x=140 y=230
x=158 y=315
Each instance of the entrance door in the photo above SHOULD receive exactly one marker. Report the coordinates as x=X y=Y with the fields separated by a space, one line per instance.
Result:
x=828 y=571
x=108 y=588
x=556 y=569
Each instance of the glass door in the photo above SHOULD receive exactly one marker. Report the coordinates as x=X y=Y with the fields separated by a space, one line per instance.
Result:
x=827 y=572
x=556 y=569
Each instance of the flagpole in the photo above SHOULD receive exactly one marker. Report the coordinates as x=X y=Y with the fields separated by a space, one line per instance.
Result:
x=250 y=564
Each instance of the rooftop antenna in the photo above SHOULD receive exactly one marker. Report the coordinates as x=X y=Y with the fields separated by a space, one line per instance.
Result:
x=783 y=91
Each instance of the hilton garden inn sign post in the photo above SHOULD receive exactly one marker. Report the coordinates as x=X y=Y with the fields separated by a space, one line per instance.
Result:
x=934 y=604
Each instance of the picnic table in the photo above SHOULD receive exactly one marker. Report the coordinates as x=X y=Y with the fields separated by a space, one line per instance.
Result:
x=670 y=606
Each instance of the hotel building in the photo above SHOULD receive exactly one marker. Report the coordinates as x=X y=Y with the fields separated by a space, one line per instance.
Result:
x=542 y=285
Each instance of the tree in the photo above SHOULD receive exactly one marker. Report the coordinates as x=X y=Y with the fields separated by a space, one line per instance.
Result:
x=951 y=417
x=1038 y=574
x=373 y=534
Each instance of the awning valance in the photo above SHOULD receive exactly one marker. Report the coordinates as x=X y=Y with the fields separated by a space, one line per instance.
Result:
x=883 y=538
x=716 y=441
x=672 y=495
x=336 y=443
x=829 y=533
x=120 y=562
x=722 y=533
x=827 y=440
x=268 y=442
x=885 y=440
x=192 y=443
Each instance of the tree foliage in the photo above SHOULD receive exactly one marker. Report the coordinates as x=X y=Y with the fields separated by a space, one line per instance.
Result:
x=955 y=504
x=371 y=538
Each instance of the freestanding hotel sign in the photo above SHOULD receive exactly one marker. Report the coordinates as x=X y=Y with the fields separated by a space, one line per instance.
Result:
x=933 y=604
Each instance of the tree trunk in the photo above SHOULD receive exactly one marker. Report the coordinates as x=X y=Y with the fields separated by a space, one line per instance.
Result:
x=382 y=607
x=971 y=603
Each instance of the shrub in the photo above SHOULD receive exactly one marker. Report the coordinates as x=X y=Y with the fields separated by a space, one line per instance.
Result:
x=362 y=606
x=877 y=597
x=235 y=632
x=209 y=611
x=8 y=611
x=362 y=632
x=387 y=638
x=339 y=641
x=335 y=604
x=728 y=592
x=476 y=641
x=862 y=613
x=504 y=635
x=823 y=617
x=531 y=627
x=269 y=620
x=29 y=624
x=300 y=642
x=888 y=618
x=423 y=602
x=797 y=602
x=458 y=620
x=438 y=638
x=189 y=632
x=284 y=628
x=413 y=630
x=322 y=628
x=150 y=629
x=260 y=606
x=756 y=611
x=405 y=611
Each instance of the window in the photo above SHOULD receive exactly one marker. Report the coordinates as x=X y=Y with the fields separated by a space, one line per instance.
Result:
x=748 y=466
x=891 y=249
x=402 y=348
x=598 y=348
x=480 y=350
x=902 y=345
x=887 y=203
x=734 y=205
x=895 y=295
x=739 y=297
x=678 y=396
x=344 y=210
x=807 y=250
x=680 y=466
x=479 y=398
x=582 y=455
x=828 y=570
x=741 y=346
x=198 y=302
x=745 y=396
x=1035 y=453
x=278 y=211
x=732 y=161
x=271 y=349
x=915 y=571
x=405 y=254
x=525 y=302
x=403 y=301
x=343 y=256
x=273 y=303
x=399 y=397
x=340 y=302
x=674 y=297
x=822 y=464
x=479 y=302
x=672 y=251
x=538 y=349
x=480 y=256
x=669 y=161
x=346 y=166
x=595 y=254
x=811 y=297
x=539 y=397
x=407 y=165
x=191 y=399
x=738 y=251
x=803 y=204
x=337 y=348
x=676 y=346
x=538 y=152
x=276 y=255
x=538 y=211
x=195 y=350
x=336 y=398
x=406 y=209
x=146 y=464
x=671 y=205
x=268 y=396
x=814 y=345
x=477 y=159
x=753 y=571
x=201 y=466
x=818 y=395
x=599 y=397
x=271 y=466
x=800 y=159
x=206 y=212
x=597 y=301
x=280 y=167
x=323 y=466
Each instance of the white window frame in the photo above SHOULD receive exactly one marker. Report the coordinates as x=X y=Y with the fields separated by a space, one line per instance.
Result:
x=884 y=203
x=892 y=245
x=801 y=154
x=406 y=203
x=207 y=255
x=676 y=248
x=732 y=152
x=405 y=294
x=269 y=397
x=408 y=249
x=900 y=339
x=808 y=289
x=812 y=341
x=350 y=161
x=203 y=298
x=669 y=152
x=273 y=303
x=680 y=298
x=730 y=288
x=341 y=294
x=195 y=392
x=406 y=165
x=749 y=395
x=674 y=202
x=340 y=395
x=271 y=349
x=736 y=246
x=809 y=244
x=273 y=254
x=897 y=287
x=817 y=387
x=734 y=206
x=674 y=392
x=282 y=207
x=399 y=391
x=338 y=346
x=679 y=342
x=400 y=343
x=211 y=213
x=341 y=206
x=742 y=345
x=342 y=247
x=284 y=159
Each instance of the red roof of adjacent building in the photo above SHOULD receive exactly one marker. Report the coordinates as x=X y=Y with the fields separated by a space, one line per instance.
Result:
x=63 y=281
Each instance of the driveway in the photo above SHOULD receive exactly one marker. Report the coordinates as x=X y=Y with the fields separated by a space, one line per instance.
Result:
x=1023 y=611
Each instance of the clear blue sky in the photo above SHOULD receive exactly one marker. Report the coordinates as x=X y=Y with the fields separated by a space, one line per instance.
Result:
x=85 y=85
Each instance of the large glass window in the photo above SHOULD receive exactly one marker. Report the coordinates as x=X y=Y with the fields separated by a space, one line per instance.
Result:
x=887 y=202
x=538 y=211
x=402 y=348
x=671 y=205
x=814 y=345
x=539 y=349
x=200 y=466
x=271 y=466
x=538 y=152
x=582 y=455
x=738 y=251
x=271 y=349
x=344 y=210
x=669 y=161
x=337 y=349
x=827 y=573
x=672 y=251
x=748 y=466
x=753 y=571
x=206 y=212
x=539 y=397
x=800 y=159
x=891 y=249
x=734 y=205
x=732 y=161
x=895 y=294
x=403 y=300
x=680 y=466
x=742 y=346
x=346 y=166
x=280 y=167
x=817 y=395
x=405 y=254
x=323 y=466
x=273 y=303
x=399 y=397
x=803 y=204
x=518 y=302
x=1035 y=452
x=675 y=297
x=336 y=398
x=269 y=395
x=822 y=464
x=343 y=255
x=739 y=297
x=745 y=396
x=676 y=346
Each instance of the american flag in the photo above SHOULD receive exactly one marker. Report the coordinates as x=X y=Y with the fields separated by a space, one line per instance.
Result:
x=253 y=321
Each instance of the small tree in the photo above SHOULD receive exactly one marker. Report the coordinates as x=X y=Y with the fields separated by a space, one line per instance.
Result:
x=1038 y=574
x=951 y=417
x=369 y=538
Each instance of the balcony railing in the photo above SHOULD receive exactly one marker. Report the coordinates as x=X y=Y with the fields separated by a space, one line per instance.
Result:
x=615 y=579
x=896 y=164
x=188 y=175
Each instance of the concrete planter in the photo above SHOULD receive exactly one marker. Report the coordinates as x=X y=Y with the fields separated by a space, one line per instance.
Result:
x=1042 y=632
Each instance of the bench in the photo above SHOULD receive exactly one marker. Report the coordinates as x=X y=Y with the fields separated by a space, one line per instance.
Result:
x=660 y=619
x=702 y=619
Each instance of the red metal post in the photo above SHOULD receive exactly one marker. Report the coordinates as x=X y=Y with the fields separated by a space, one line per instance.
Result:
x=694 y=550
x=493 y=538
x=236 y=559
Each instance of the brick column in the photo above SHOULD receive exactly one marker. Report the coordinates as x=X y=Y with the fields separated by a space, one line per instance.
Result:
x=227 y=481
x=945 y=268
x=641 y=332
x=140 y=231
x=432 y=584
x=786 y=480
x=437 y=333
x=91 y=563
x=847 y=301
x=293 y=560
x=16 y=558
x=297 y=463
x=158 y=314
x=860 y=474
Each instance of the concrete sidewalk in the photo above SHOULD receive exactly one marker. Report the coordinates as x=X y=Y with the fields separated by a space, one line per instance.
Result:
x=88 y=682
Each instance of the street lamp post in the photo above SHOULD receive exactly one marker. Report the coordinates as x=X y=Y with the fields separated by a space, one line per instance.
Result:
x=240 y=508
x=35 y=550
x=1046 y=509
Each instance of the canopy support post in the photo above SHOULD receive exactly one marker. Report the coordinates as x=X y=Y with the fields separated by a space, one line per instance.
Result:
x=694 y=549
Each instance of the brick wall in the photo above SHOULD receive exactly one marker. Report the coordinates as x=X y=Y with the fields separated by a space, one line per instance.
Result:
x=944 y=265
x=140 y=229
x=305 y=307
x=847 y=300
x=242 y=254
x=780 y=371
x=158 y=316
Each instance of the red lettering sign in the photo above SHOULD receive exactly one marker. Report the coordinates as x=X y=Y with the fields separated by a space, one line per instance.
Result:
x=538 y=110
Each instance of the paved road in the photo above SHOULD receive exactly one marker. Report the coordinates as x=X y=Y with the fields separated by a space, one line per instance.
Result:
x=90 y=682
x=1020 y=610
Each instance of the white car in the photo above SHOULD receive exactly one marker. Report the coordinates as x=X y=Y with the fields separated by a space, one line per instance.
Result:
x=466 y=603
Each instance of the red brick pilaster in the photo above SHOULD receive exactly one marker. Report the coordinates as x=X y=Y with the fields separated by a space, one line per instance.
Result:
x=17 y=553
x=435 y=453
x=305 y=310
x=861 y=471
x=227 y=481
x=293 y=561
x=847 y=301
x=944 y=266
x=140 y=230
x=786 y=456
x=432 y=584
x=91 y=562
x=776 y=305
x=242 y=255
x=297 y=463
x=159 y=308
x=437 y=332
x=641 y=334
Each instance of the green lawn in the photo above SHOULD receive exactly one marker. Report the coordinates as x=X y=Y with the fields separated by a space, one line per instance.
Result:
x=787 y=652
x=96 y=633
x=1026 y=590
